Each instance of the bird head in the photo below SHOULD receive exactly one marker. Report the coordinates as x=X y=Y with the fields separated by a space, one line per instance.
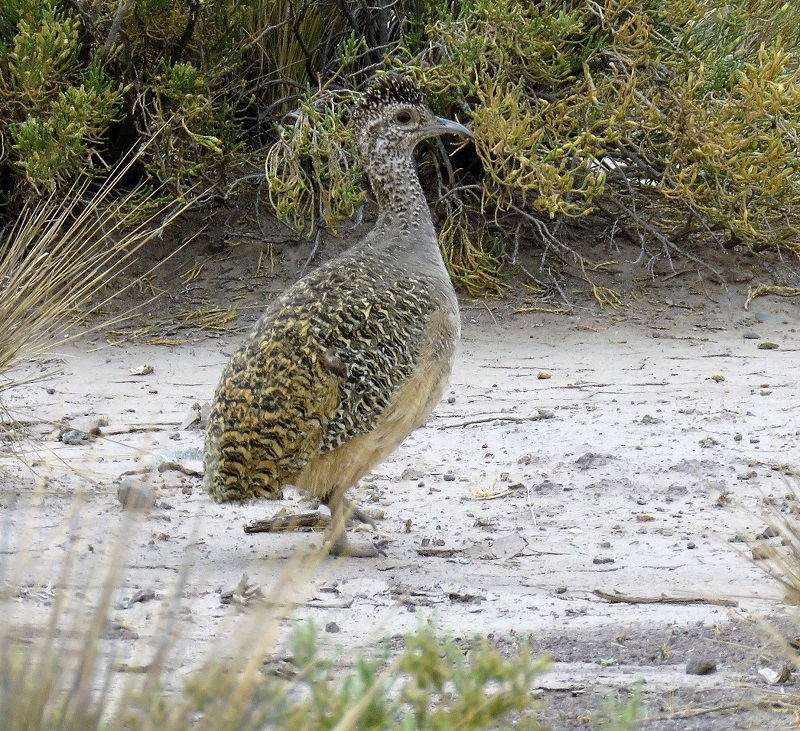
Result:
x=392 y=118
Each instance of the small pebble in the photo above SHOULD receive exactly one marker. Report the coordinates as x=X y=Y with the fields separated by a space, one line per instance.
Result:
x=602 y=560
x=449 y=477
x=701 y=666
x=750 y=335
x=761 y=551
x=543 y=375
x=143 y=595
x=691 y=544
x=134 y=494
x=332 y=627
x=766 y=345
x=73 y=436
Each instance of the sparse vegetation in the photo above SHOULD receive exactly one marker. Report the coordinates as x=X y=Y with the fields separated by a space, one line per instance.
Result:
x=69 y=679
x=679 y=120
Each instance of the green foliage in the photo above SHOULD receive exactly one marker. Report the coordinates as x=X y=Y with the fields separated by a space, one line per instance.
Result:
x=311 y=170
x=447 y=689
x=680 y=118
x=432 y=685
x=56 y=110
x=196 y=133
x=696 y=102
x=616 y=715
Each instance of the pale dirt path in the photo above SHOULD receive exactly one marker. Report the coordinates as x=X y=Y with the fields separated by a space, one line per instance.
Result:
x=610 y=494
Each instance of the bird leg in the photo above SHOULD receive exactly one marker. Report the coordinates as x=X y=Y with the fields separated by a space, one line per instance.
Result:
x=336 y=534
x=350 y=510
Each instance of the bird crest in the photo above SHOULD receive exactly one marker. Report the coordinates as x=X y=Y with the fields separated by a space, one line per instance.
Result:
x=387 y=89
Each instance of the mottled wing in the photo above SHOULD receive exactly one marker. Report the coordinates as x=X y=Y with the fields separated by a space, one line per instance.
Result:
x=376 y=333
x=320 y=368
x=270 y=412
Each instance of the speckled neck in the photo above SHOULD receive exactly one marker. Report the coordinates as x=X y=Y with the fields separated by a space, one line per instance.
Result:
x=402 y=206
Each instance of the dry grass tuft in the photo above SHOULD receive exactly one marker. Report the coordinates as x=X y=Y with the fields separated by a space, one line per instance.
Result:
x=62 y=252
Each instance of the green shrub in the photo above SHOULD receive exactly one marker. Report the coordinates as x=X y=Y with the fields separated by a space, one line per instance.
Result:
x=56 y=110
x=678 y=119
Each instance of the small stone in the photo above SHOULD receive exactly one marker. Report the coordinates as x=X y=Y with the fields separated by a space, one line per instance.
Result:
x=750 y=335
x=451 y=399
x=647 y=419
x=737 y=437
x=543 y=375
x=717 y=378
x=449 y=477
x=761 y=551
x=91 y=426
x=766 y=345
x=701 y=666
x=644 y=517
x=332 y=627
x=691 y=545
x=602 y=559
x=142 y=370
x=134 y=494
x=774 y=677
x=73 y=436
x=409 y=473
x=561 y=590
x=143 y=595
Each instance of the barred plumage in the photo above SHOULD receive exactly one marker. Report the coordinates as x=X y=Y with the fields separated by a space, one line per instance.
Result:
x=354 y=356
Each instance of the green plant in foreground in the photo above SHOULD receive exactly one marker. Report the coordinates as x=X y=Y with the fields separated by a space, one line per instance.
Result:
x=618 y=715
x=66 y=679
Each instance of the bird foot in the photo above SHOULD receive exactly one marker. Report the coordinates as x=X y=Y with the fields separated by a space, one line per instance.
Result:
x=343 y=547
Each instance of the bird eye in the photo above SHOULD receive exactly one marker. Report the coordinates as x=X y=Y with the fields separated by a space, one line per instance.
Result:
x=403 y=116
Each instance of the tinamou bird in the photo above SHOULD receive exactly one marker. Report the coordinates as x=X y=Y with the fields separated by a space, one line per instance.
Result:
x=354 y=356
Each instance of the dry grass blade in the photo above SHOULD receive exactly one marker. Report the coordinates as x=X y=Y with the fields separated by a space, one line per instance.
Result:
x=766 y=289
x=61 y=253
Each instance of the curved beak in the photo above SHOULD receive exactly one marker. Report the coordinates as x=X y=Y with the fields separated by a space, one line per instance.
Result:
x=448 y=126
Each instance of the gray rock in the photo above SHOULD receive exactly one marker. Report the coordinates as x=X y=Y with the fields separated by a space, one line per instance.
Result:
x=73 y=436
x=701 y=666
x=135 y=494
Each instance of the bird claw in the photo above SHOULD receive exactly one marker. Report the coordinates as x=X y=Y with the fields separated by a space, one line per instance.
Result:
x=343 y=547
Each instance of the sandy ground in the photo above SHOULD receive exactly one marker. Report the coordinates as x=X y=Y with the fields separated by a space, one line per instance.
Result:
x=631 y=452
